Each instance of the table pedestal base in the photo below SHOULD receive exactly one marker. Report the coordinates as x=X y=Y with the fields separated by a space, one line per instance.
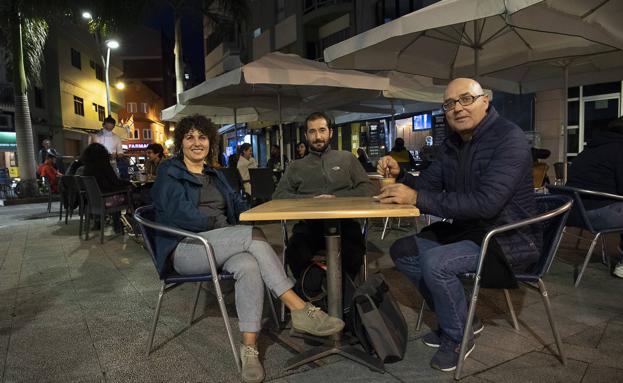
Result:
x=350 y=352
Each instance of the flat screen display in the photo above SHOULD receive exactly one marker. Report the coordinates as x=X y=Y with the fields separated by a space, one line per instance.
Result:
x=422 y=121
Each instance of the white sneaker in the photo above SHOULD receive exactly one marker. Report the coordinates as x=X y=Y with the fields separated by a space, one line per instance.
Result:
x=618 y=269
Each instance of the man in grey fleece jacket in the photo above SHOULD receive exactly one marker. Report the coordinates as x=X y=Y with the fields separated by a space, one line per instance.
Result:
x=324 y=173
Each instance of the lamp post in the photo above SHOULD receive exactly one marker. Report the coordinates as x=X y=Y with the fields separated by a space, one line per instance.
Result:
x=110 y=44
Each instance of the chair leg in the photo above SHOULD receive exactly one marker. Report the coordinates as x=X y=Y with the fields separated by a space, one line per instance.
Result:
x=273 y=310
x=577 y=242
x=284 y=233
x=221 y=304
x=384 y=228
x=192 y=313
x=87 y=225
x=548 y=310
x=418 y=324
x=467 y=333
x=81 y=214
x=511 y=309
x=587 y=259
x=604 y=255
x=150 y=340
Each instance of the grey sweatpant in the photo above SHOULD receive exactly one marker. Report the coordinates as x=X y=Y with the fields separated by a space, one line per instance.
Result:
x=253 y=263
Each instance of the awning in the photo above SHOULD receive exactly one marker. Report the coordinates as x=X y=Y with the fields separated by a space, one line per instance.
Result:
x=7 y=142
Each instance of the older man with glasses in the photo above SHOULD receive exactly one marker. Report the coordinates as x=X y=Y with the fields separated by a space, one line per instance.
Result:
x=482 y=179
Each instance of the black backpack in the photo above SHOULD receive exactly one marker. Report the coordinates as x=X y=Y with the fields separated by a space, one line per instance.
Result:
x=378 y=322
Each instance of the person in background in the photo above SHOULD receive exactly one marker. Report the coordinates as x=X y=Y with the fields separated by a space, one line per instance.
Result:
x=108 y=139
x=599 y=167
x=43 y=151
x=232 y=161
x=401 y=155
x=96 y=159
x=190 y=195
x=155 y=155
x=301 y=150
x=246 y=162
x=50 y=173
x=365 y=161
x=274 y=162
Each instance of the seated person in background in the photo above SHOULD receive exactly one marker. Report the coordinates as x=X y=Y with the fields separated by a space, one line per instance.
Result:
x=599 y=167
x=492 y=188
x=246 y=162
x=401 y=155
x=155 y=155
x=96 y=159
x=274 y=162
x=232 y=161
x=47 y=170
x=301 y=150
x=190 y=195
x=365 y=161
x=323 y=173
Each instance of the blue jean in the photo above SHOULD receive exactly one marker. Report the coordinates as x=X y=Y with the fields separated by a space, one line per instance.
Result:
x=434 y=269
x=607 y=217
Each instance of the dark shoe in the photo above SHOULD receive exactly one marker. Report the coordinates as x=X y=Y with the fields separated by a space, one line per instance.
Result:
x=314 y=321
x=433 y=338
x=447 y=357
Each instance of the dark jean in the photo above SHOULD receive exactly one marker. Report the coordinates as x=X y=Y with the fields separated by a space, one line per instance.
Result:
x=434 y=269
x=607 y=217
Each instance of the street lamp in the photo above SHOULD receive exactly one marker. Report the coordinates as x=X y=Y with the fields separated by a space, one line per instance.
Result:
x=110 y=44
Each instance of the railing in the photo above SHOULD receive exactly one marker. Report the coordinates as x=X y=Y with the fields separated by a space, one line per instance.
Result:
x=312 y=5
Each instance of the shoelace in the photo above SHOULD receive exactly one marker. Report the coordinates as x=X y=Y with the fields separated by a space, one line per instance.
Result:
x=250 y=351
x=312 y=311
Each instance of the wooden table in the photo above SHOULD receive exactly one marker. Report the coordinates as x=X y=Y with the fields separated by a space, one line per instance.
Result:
x=330 y=210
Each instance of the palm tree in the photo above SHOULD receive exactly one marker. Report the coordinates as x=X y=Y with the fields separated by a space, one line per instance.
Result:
x=23 y=30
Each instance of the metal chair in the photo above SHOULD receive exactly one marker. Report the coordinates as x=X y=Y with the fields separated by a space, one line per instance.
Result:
x=233 y=178
x=145 y=217
x=579 y=218
x=82 y=202
x=553 y=212
x=262 y=185
x=96 y=201
x=69 y=193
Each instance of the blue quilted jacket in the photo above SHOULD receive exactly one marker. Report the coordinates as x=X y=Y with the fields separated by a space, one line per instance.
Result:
x=175 y=197
x=492 y=188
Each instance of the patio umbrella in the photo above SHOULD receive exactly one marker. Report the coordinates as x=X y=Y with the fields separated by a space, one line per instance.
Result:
x=278 y=81
x=510 y=45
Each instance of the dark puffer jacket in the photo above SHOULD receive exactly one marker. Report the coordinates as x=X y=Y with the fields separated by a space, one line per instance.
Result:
x=492 y=187
x=176 y=201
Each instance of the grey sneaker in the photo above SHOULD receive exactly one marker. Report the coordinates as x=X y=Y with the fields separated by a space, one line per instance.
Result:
x=314 y=321
x=433 y=338
x=618 y=269
x=252 y=370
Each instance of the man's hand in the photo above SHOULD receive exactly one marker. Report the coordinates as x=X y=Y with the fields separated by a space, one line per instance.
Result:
x=325 y=196
x=388 y=166
x=398 y=193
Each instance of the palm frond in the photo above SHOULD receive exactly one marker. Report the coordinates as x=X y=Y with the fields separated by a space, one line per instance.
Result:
x=34 y=35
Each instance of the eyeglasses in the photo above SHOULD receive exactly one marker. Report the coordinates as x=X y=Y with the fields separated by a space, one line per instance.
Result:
x=464 y=100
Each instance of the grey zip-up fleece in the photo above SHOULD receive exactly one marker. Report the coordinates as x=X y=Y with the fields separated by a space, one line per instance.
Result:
x=330 y=172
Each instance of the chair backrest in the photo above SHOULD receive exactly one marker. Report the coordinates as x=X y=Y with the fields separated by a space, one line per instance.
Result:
x=552 y=228
x=67 y=188
x=262 y=184
x=578 y=216
x=539 y=171
x=147 y=214
x=559 y=170
x=233 y=178
x=94 y=195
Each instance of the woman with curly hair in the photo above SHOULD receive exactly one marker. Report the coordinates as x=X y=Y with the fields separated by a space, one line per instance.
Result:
x=190 y=195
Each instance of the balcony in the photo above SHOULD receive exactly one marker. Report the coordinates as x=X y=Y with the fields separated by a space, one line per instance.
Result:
x=318 y=12
x=7 y=97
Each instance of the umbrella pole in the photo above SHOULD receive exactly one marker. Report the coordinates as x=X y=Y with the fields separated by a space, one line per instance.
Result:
x=280 y=131
x=565 y=118
x=236 y=124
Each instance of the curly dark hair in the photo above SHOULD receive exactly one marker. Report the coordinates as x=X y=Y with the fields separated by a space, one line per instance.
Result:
x=196 y=122
x=95 y=154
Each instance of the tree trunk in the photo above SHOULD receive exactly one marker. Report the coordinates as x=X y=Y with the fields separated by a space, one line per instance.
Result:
x=23 y=125
x=179 y=62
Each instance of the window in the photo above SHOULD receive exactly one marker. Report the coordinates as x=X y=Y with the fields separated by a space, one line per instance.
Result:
x=144 y=108
x=137 y=135
x=147 y=134
x=39 y=98
x=99 y=72
x=131 y=107
x=78 y=106
x=75 y=59
x=100 y=110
